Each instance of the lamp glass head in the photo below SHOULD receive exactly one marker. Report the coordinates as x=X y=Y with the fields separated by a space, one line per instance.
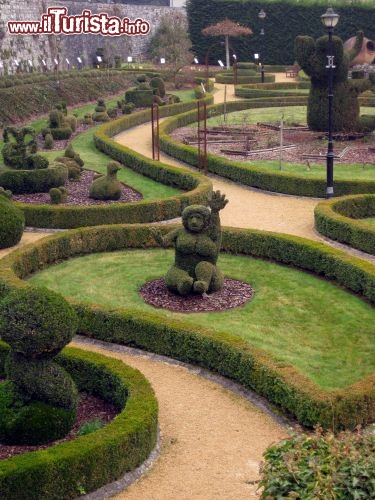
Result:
x=330 y=18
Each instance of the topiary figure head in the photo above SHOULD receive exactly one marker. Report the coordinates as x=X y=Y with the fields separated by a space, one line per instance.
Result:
x=37 y=323
x=196 y=218
x=112 y=168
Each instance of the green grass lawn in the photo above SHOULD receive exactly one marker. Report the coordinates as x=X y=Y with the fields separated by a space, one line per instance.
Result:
x=369 y=220
x=322 y=330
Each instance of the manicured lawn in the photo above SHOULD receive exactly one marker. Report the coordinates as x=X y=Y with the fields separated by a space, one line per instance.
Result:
x=322 y=330
x=369 y=220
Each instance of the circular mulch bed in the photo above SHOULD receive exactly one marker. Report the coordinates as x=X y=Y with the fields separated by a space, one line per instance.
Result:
x=234 y=294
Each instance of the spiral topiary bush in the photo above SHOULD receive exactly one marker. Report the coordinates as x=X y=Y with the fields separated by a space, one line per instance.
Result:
x=12 y=223
x=38 y=403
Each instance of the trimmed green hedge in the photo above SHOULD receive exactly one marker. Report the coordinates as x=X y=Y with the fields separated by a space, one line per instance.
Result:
x=251 y=175
x=336 y=218
x=222 y=352
x=279 y=89
x=33 y=181
x=196 y=186
x=68 y=469
x=229 y=78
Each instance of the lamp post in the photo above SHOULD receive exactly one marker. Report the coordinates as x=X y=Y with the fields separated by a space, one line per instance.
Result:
x=330 y=19
x=207 y=55
x=262 y=16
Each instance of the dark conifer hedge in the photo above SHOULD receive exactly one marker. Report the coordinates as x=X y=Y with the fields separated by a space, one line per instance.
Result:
x=285 y=19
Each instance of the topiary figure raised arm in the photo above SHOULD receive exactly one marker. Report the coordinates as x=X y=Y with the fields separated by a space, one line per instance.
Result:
x=311 y=55
x=197 y=246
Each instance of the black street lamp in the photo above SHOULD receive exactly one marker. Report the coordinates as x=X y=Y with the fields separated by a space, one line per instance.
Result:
x=262 y=16
x=330 y=19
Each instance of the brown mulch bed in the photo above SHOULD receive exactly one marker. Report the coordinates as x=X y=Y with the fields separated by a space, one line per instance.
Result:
x=89 y=408
x=78 y=194
x=234 y=294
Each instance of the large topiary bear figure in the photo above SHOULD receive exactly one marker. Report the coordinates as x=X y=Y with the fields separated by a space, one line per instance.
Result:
x=311 y=55
x=197 y=246
x=39 y=400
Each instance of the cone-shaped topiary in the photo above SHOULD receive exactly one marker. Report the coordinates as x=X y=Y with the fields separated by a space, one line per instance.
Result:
x=311 y=55
x=197 y=247
x=107 y=187
x=38 y=404
x=12 y=222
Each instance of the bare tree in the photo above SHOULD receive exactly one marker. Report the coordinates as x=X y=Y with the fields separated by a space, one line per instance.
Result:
x=226 y=28
x=171 y=41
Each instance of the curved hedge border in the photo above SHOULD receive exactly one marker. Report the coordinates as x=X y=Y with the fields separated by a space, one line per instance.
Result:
x=33 y=181
x=228 y=78
x=67 y=469
x=251 y=175
x=222 y=352
x=279 y=89
x=335 y=218
x=197 y=187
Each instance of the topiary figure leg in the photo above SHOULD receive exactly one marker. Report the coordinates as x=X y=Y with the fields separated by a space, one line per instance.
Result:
x=178 y=280
x=204 y=273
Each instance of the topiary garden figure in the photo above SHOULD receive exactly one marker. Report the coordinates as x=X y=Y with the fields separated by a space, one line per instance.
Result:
x=107 y=187
x=197 y=246
x=20 y=146
x=311 y=55
x=39 y=399
x=12 y=221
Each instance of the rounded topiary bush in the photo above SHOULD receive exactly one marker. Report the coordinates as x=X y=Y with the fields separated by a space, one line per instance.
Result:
x=37 y=423
x=40 y=399
x=36 y=323
x=12 y=223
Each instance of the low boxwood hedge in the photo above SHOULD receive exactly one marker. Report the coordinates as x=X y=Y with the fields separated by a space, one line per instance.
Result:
x=338 y=219
x=33 y=181
x=251 y=175
x=281 y=89
x=196 y=187
x=68 y=469
x=228 y=78
x=223 y=352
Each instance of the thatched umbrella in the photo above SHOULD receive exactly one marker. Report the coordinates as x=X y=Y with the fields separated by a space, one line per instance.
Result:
x=226 y=28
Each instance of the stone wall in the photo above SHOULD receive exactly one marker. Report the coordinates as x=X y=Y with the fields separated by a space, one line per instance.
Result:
x=47 y=48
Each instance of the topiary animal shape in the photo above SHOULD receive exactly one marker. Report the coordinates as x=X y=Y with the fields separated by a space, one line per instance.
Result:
x=39 y=400
x=20 y=143
x=311 y=55
x=107 y=187
x=197 y=246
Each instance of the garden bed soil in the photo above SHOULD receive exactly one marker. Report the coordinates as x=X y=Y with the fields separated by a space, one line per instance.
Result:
x=78 y=194
x=234 y=293
x=301 y=145
x=90 y=408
